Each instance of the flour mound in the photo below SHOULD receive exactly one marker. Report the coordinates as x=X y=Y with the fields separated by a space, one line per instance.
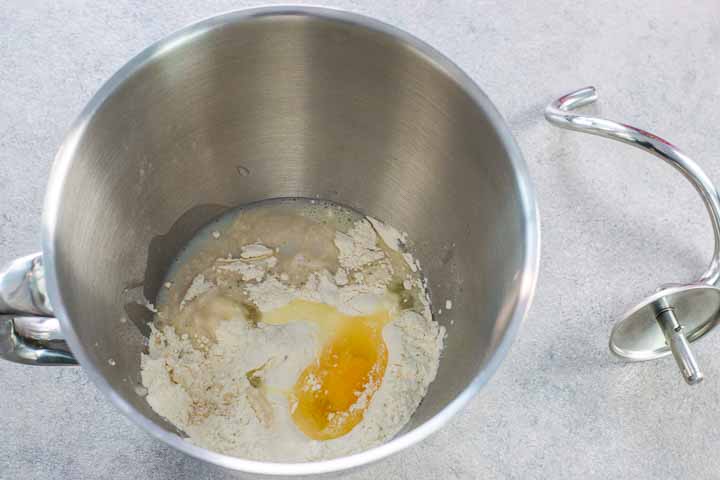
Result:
x=223 y=380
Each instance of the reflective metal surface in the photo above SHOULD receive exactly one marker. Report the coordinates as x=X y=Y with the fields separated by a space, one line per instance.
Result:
x=289 y=102
x=30 y=340
x=676 y=339
x=640 y=336
x=33 y=341
x=22 y=287
x=675 y=315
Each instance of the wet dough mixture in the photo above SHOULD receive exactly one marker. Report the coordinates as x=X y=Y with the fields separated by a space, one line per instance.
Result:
x=292 y=331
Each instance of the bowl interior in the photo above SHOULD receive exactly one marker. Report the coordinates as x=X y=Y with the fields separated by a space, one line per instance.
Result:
x=240 y=109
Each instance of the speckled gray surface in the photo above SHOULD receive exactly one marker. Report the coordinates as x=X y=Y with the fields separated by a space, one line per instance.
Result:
x=616 y=223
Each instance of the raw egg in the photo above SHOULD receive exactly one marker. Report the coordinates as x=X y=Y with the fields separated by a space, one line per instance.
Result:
x=331 y=394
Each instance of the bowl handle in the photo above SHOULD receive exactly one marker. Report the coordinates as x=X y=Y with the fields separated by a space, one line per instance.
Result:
x=28 y=332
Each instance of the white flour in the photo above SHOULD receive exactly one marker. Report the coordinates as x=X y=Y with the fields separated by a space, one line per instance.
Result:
x=227 y=389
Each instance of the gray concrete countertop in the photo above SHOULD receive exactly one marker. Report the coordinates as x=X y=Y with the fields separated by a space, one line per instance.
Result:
x=615 y=223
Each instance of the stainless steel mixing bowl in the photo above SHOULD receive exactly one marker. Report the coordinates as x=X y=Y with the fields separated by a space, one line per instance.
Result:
x=278 y=102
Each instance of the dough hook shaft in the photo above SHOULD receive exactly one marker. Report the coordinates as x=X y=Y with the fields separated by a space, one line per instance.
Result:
x=678 y=342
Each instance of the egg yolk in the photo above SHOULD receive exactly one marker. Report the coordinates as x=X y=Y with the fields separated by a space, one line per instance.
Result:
x=331 y=394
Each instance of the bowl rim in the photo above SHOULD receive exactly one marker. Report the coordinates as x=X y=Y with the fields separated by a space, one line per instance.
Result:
x=514 y=313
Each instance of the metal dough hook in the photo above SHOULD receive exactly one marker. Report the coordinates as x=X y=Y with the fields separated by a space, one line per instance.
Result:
x=675 y=315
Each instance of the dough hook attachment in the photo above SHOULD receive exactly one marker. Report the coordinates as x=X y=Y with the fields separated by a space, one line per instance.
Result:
x=667 y=321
